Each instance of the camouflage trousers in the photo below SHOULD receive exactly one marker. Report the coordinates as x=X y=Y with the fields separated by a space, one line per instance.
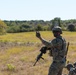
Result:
x=72 y=72
x=56 y=68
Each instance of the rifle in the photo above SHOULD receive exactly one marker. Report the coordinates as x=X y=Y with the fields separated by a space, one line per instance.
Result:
x=67 y=51
x=42 y=51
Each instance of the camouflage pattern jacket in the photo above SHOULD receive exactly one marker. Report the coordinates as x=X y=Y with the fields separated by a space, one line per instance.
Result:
x=58 y=48
x=72 y=71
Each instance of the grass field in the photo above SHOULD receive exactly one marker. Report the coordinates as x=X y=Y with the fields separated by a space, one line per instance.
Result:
x=19 y=50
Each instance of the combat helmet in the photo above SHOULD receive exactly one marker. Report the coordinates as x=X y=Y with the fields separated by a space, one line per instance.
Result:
x=74 y=64
x=57 y=29
x=69 y=66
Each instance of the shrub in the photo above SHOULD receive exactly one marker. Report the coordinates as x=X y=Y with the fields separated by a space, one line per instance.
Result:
x=71 y=27
x=3 y=27
x=10 y=67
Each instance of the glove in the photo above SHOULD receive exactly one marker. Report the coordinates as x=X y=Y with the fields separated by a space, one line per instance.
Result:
x=43 y=49
x=38 y=34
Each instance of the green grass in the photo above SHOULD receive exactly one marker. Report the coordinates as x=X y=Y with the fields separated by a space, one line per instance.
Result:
x=23 y=37
x=23 y=55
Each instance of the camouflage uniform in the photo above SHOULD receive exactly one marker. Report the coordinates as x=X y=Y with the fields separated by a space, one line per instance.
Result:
x=72 y=71
x=74 y=64
x=58 y=50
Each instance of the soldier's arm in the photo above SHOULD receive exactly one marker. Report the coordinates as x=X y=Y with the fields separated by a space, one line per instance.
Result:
x=46 y=43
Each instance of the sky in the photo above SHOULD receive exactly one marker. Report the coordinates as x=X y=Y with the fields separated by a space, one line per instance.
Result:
x=37 y=9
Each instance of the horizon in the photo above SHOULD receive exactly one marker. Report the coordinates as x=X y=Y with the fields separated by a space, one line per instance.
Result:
x=37 y=20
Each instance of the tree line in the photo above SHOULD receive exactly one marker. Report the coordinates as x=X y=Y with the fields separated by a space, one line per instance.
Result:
x=35 y=25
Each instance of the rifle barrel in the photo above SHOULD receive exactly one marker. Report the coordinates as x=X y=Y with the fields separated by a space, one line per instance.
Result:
x=38 y=58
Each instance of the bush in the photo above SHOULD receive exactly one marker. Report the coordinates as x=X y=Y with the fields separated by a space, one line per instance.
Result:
x=39 y=28
x=3 y=27
x=71 y=27
x=10 y=67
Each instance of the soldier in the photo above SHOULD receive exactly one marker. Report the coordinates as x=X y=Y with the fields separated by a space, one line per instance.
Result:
x=74 y=64
x=71 y=69
x=58 y=50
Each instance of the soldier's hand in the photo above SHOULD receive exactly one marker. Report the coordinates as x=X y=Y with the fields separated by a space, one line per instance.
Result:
x=38 y=34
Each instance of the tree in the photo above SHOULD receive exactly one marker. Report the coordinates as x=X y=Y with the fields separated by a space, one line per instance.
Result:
x=39 y=28
x=56 y=22
x=3 y=27
x=71 y=27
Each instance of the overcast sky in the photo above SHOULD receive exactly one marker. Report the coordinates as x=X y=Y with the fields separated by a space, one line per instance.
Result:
x=37 y=9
